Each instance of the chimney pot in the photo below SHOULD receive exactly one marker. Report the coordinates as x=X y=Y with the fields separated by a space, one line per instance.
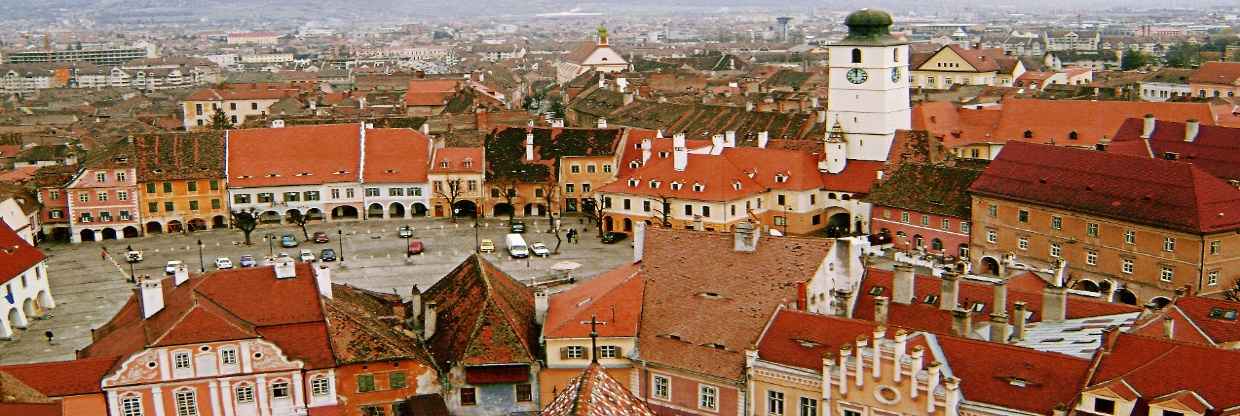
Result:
x=1054 y=303
x=903 y=281
x=1147 y=129
x=949 y=291
x=1018 y=320
x=880 y=309
x=429 y=320
x=1191 y=128
x=999 y=327
x=962 y=323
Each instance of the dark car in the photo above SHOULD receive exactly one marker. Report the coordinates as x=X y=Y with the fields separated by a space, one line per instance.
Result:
x=247 y=261
x=612 y=237
x=320 y=237
x=516 y=227
x=288 y=241
x=327 y=255
x=416 y=247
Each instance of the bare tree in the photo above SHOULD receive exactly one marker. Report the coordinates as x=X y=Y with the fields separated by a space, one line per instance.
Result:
x=301 y=220
x=451 y=190
x=245 y=221
x=663 y=212
x=548 y=189
x=592 y=208
x=508 y=191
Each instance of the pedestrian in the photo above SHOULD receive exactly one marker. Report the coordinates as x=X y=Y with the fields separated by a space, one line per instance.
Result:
x=48 y=334
x=103 y=254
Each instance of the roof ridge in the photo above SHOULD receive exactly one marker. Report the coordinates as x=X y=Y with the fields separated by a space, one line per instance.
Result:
x=349 y=316
x=1147 y=363
x=606 y=294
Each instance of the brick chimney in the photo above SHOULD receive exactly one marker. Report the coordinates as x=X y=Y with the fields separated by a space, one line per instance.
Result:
x=323 y=279
x=763 y=138
x=152 y=295
x=880 y=309
x=430 y=319
x=1018 y=320
x=949 y=291
x=999 y=327
x=680 y=154
x=1054 y=303
x=902 y=284
x=744 y=237
x=1190 y=130
x=962 y=323
x=1147 y=128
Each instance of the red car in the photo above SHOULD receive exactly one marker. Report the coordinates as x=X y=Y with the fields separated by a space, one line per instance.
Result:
x=320 y=237
x=415 y=247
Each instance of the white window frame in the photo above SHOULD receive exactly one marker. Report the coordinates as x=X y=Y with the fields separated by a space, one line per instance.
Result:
x=807 y=406
x=228 y=356
x=1022 y=243
x=1127 y=266
x=992 y=236
x=186 y=402
x=774 y=400
x=708 y=397
x=1166 y=273
x=320 y=386
x=1056 y=250
x=608 y=351
x=1091 y=257
x=661 y=382
x=1169 y=244
x=282 y=383
x=182 y=360
x=244 y=393
x=131 y=404
x=1212 y=278
x=575 y=352
x=1130 y=237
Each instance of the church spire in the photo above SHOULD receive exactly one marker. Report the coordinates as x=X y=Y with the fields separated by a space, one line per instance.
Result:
x=836 y=135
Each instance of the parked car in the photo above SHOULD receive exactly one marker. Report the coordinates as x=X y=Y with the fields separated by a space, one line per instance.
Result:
x=247 y=261
x=320 y=237
x=171 y=267
x=516 y=227
x=223 y=263
x=613 y=237
x=133 y=256
x=288 y=241
x=327 y=255
x=306 y=255
x=405 y=232
x=487 y=246
x=416 y=247
x=540 y=250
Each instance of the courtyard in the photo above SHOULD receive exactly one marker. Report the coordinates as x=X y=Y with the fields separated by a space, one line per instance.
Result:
x=90 y=286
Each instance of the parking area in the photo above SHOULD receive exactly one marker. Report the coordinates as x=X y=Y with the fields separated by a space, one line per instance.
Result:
x=90 y=285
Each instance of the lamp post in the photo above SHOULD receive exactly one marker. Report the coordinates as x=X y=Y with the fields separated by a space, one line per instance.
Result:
x=271 y=245
x=202 y=266
x=340 y=240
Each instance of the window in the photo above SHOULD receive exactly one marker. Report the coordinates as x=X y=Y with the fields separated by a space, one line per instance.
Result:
x=245 y=393
x=193 y=205
x=1056 y=222
x=373 y=410
x=574 y=169
x=1171 y=413
x=609 y=351
x=1091 y=229
x=279 y=390
x=1168 y=244
x=396 y=380
x=964 y=227
x=336 y=192
x=254 y=106
x=1091 y=257
x=180 y=360
x=856 y=56
x=585 y=188
x=1022 y=215
x=992 y=236
x=215 y=185
x=1130 y=237
x=705 y=211
x=780 y=220
x=925 y=220
x=946 y=224
x=688 y=209
x=167 y=186
x=102 y=196
x=607 y=168
x=53 y=195
x=417 y=191
x=524 y=393
x=348 y=192
x=662 y=387
x=84 y=196
x=292 y=196
x=1127 y=266
x=904 y=217
x=469 y=396
x=192 y=186
x=708 y=397
x=569 y=188
x=779 y=200
x=319 y=386
x=1022 y=243
x=1216 y=247
x=809 y=407
x=1104 y=406
x=774 y=402
x=101 y=177
x=232 y=106
x=591 y=169
x=187 y=403
x=122 y=196
x=1166 y=273
x=241 y=198
x=120 y=176
x=86 y=217
x=228 y=356
x=56 y=213
x=1212 y=278
x=372 y=191
x=574 y=352
x=1056 y=250
x=152 y=206
x=266 y=197
x=627 y=203
x=396 y=191
x=131 y=405
x=365 y=382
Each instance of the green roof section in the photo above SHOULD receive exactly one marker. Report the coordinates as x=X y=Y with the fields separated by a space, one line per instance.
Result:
x=870 y=27
x=928 y=188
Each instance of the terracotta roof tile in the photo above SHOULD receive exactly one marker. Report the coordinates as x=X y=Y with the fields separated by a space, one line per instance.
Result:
x=307 y=155
x=614 y=296
x=935 y=189
x=484 y=317
x=458 y=160
x=16 y=255
x=1215 y=149
x=1014 y=377
x=1156 y=367
x=363 y=327
x=63 y=378
x=1227 y=73
x=595 y=393
x=396 y=156
x=175 y=156
x=801 y=339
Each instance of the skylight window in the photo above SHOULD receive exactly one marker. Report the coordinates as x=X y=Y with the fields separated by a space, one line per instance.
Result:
x=1224 y=314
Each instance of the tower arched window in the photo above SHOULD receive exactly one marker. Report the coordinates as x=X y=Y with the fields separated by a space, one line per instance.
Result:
x=856 y=56
x=895 y=54
x=1028 y=134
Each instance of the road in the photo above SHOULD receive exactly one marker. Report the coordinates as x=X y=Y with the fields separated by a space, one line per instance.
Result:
x=89 y=289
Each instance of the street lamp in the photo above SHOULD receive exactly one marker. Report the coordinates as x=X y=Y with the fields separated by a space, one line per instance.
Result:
x=271 y=245
x=340 y=240
x=202 y=267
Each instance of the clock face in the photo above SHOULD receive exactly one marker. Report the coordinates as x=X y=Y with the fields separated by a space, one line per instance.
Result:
x=895 y=74
x=857 y=75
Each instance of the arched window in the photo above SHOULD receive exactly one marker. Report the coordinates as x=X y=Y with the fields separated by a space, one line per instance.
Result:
x=856 y=56
x=186 y=402
x=918 y=241
x=936 y=244
x=245 y=393
x=319 y=386
x=895 y=54
x=1028 y=134
x=131 y=405
x=1072 y=135
x=280 y=389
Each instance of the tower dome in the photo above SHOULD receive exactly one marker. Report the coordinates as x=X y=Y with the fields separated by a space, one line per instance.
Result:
x=868 y=24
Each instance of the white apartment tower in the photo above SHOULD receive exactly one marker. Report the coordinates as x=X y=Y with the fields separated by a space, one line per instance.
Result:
x=868 y=95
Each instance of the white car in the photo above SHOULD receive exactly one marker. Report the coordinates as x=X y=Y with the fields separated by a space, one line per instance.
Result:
x=171 y=267
x=223 y=263
x=540 y=250
x=306 y=256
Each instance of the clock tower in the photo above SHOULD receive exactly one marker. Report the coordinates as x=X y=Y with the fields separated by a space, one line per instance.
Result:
x=868 y=93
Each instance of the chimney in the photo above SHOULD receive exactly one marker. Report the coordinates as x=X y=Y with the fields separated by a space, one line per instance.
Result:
x=426 y=128
x=429 y=319
x=951 y=396
x=763 y=138
x=729 y=138
x=1054 y=303
x=962 y=323
x=748 y=106
x=647 y=149
x=152 y=293
x=679 y=153
x=1000 y=305
x=285 y=268
x=1147 y=129
x=716 y=144
x=529 y=146
x=277 y=124
x=314 y=105
x=542 y=301
x=813 y=102
x=628 y=98
x=1059 y=410
x=415 y=301
x=1018 y=320
x=181 y=275
x=361 y=103
x=744 y=237
x=842 y=302
x=1169 y=326
x=949 y=291
x=822 y=116
x=1190 y=130
x=880 y=309
x=602 y=123
x=999 y=327
x=902 y=282
x=482 y=119
x=639 y=240
x=323 y=279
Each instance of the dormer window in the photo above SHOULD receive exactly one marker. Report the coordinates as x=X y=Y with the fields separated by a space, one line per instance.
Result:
x=444 y=164
x=633 y=183
x=736 y=185
x=468 y=163
x=634 y=164
x=1028 y=134
x=664 y=155
x=697 y=187
x=654 y=184
x=675 y=186
x=781 y=178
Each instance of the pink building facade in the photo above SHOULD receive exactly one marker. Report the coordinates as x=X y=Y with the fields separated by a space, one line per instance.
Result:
x=103 y=202
x=912 y=230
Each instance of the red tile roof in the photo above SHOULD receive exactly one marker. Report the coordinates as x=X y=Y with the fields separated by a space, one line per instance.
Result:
x=1156 y=367
x=307 y=155
x=730 y=294
x=800 y=339
x=595 y=393
x=1215 y=149
x=16 y=255
x=430 y=92
x=614 y=297
x=1160 y=193
x=1013 y=377
x=396 y=156
x=484 y=317
x=1198 y=320
x=225 y=305
x=1226 y=73
x=32 y=409
x=63 y=378
x=458 y=160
